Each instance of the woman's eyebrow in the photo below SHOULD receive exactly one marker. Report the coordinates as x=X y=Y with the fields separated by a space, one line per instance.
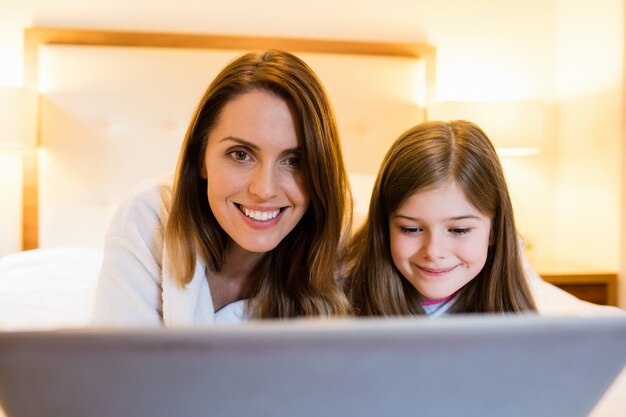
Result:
x=255 y=147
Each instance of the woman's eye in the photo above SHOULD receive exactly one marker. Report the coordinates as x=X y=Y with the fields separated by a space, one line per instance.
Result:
x=239 y=155
x=294 y=161
x=460 y=230
x=410 y=230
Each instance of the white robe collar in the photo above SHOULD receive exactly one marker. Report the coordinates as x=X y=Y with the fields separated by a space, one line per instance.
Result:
x=192 y=305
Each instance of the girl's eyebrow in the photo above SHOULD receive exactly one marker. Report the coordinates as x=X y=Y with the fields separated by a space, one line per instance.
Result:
x=254 y=147
x=465 y=217
x=454 y=218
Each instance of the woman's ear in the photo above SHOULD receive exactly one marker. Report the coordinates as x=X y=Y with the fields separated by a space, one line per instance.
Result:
x=203 y=174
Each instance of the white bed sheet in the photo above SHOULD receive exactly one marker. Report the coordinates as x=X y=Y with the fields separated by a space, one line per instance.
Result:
x=553 y=301
x=53 y=288
x=48 y=288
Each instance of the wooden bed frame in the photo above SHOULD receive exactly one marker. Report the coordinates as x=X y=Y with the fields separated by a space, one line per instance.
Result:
x=36 y=37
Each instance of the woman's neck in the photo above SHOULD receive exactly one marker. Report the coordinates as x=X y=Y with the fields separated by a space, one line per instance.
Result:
x=234 y=280
x=239 y=262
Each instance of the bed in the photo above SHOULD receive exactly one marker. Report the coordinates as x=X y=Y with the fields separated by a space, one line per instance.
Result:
x=52 y=288
x=113 y=108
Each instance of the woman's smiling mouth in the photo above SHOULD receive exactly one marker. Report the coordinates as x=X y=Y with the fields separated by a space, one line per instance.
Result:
x=260 y=215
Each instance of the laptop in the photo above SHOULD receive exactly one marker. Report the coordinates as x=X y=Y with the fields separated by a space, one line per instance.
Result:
x=456 y=366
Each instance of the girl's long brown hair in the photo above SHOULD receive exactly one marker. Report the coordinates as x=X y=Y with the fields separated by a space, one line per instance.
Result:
x=425 y=156
x=298 y=277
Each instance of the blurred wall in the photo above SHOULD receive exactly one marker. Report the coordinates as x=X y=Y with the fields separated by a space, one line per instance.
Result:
x=566 y=54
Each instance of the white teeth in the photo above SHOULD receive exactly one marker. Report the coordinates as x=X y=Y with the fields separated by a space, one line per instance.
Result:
x=260 y=215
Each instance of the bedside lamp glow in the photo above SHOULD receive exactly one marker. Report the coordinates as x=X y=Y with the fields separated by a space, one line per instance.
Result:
x=17 y=127
x=516 y=128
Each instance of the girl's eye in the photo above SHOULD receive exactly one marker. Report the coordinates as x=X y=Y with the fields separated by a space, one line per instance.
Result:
x=410 y=230
x=239 y=155
x=460 y=230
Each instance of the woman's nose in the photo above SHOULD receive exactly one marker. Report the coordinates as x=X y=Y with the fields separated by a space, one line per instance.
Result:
x=263 y=182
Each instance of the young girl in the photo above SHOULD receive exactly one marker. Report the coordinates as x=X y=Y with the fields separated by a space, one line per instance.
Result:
x=440 y=235
x=252 y=224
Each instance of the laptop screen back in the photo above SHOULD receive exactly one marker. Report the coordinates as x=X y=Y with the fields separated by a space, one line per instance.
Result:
x=461 y=366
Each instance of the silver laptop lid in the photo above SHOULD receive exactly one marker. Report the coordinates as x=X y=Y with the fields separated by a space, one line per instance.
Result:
x=458 y=366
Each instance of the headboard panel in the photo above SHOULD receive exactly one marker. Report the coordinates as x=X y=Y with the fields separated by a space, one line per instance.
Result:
x=111 y=115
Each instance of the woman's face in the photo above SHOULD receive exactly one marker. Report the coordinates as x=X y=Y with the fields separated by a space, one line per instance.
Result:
x=255 y=184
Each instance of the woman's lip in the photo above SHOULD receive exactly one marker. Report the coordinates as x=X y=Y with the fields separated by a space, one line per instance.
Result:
x=260 y=224
x=259 y=208
x=261 y=214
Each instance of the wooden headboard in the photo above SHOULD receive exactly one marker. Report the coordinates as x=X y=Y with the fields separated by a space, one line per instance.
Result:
x=37 y=39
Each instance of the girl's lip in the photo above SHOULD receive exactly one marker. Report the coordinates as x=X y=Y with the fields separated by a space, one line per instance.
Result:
x=436 y=271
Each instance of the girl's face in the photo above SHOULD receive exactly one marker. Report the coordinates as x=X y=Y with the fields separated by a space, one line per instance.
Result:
x=255 y=185
x=439 y=241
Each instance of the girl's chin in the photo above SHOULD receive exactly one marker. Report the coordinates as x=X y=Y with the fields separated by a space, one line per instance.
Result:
x=435 y=294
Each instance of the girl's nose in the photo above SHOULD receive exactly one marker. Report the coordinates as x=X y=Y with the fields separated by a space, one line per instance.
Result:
x=434 y=246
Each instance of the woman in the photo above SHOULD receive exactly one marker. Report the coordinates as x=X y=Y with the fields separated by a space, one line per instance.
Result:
x=252 y=225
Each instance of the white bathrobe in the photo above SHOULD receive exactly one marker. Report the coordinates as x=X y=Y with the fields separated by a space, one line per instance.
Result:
x=136 y=287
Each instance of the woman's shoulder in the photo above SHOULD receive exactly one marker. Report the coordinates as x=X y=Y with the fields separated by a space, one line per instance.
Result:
x=145 y=207
x=151 y=192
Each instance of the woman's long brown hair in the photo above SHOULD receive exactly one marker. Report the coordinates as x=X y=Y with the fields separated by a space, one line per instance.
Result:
x=298 y=277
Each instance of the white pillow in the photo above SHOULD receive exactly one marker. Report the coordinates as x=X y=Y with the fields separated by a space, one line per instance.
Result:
x=48 y=288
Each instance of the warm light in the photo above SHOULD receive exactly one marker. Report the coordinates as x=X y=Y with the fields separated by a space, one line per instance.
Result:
x=10 y=103
x=486 y=80
x=361 y=186
x=516 y=128
x=17 y=125
x=517 y=151
x=420 y=85
x=11 y=145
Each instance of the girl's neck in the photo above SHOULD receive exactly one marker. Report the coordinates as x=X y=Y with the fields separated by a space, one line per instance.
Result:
x=430 y=302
